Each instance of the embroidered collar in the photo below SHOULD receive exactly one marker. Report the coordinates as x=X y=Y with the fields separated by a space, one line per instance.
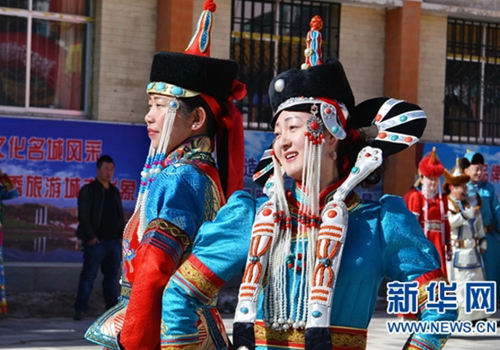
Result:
x=191 y=148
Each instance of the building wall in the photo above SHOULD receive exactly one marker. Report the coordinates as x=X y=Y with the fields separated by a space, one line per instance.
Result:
x=124 y=45
x=361 y=49
x=432 y=74
x=221 y=27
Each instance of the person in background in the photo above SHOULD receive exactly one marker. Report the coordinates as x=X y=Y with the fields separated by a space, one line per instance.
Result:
x=100 y=227
x=468 y=240
x=431 y=206
x=318 y=251
x=482 y=197
x=7 y=191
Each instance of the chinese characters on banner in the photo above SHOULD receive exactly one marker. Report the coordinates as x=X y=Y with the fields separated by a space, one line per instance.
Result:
x=49 y=161
x=39 y=149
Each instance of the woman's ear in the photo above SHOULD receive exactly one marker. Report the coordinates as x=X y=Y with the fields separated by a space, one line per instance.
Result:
x=199 y=116
x=330 y=139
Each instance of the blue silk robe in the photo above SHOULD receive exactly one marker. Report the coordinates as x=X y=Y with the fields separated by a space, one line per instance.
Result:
x=384 y=239
x=490 y=211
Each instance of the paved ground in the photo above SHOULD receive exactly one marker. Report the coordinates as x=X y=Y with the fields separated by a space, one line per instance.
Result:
x=66 y=334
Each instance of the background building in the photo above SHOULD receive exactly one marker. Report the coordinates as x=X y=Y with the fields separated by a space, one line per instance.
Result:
x=91 y=59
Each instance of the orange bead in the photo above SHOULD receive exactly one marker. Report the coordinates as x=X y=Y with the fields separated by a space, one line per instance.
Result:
x=332 y=214
x=267 y=212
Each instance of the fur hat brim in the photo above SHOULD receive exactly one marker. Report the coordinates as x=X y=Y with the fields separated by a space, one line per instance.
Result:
x=212 y=76
x=449 y=179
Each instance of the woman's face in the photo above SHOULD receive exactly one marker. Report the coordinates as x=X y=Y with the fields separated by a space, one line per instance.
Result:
x=475 y=171
x=288 y=146
x=158 y=106
x=458 y=192
x=431 y=183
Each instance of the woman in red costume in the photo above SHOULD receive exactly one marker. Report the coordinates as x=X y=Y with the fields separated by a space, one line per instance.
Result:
x=430 y=206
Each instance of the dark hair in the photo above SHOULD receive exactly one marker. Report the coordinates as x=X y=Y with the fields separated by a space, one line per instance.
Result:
x=446 y=188
x=464 y=163
x=188 y=105
x=104 y=159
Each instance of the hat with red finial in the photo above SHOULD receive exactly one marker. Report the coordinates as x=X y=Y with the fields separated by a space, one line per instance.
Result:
x=194 y=73
x=430 y=165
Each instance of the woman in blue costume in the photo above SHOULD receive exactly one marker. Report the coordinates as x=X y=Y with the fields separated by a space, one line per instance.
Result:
x=190 y=111
x=319 y=252
x=482 y=196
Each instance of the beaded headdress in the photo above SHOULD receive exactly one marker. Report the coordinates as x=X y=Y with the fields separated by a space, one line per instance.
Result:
x=194 y=73
x=324 y=91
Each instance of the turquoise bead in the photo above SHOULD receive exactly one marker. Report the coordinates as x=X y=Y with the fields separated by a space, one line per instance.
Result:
x=150 y=86
x=244 y=310
x=354 y=169
x=394 y=137
x=335 y=129
x=316 y=314
x=403 y=118
x=177 y=91
x=160 y=86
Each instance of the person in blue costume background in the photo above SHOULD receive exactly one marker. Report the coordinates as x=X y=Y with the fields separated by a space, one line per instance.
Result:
x=318 y=251
x=191 y=115
x=481 y=196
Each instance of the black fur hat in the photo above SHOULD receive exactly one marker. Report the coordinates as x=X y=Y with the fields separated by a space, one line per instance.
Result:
x=471 y=158
x=327 y=80
x=208 y=75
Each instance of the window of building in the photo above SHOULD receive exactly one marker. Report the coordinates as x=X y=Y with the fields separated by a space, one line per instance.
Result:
x=269 y=37
x=472 y=93
x=44 y=57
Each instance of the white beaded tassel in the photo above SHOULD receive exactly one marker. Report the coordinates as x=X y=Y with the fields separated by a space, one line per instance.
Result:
x=276 y=301
x=159 y=157
x=309 y=206
x=278 y=315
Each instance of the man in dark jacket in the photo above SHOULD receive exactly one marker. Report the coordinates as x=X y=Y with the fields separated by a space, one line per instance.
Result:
x=100 y=227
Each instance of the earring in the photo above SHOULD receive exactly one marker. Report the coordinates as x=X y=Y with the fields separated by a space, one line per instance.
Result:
x=333 y=155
